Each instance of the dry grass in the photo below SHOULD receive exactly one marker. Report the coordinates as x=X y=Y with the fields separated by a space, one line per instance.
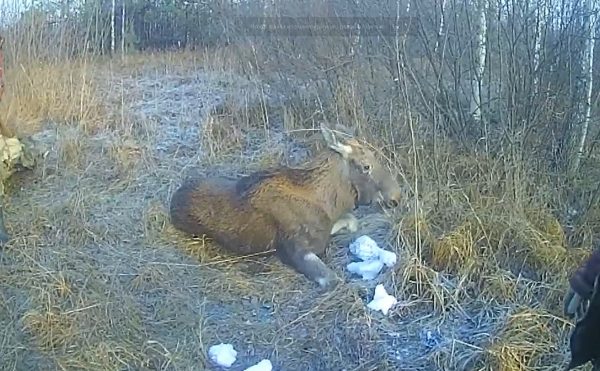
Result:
x=37 y=93
x=97 y=278
x=525 y=339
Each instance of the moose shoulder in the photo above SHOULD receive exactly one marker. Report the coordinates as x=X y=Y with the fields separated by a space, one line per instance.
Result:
x=293 y=211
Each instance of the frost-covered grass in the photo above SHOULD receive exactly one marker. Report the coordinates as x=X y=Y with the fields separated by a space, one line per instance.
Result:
x=96 y=278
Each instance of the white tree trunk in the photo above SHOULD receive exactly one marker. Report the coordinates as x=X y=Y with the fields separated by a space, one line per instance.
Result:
x=112 y=27
x=441 y=28
x=587 y=84
x=123 y=30
x=480 y=54
x=541 y=15
x=355 y=43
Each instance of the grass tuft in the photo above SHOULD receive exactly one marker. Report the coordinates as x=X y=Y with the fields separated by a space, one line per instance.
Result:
x=457 y=252
x=52 y=328
x=40 y=92
x=526 y=337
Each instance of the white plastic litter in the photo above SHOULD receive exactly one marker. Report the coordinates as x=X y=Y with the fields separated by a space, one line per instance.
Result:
x=382 y=301
x=367 y=269
x=373 y=258
x=264 y=365
x=222 y=354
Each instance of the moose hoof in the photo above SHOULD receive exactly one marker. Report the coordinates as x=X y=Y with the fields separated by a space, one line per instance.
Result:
x=348 y=222
x=4 y=238
x=352 y=225
x=329 y=283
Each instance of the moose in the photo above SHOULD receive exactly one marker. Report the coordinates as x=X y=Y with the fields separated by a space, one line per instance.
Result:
x=582 y=301
x=292 y=211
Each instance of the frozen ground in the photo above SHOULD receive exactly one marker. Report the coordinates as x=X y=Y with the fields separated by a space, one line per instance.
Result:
x=98 y=279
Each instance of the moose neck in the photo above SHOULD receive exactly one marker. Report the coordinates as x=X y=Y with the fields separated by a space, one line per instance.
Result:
x=330 y=179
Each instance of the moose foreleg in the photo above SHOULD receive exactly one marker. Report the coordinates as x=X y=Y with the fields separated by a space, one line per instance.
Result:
x=347 y=221
x=4 y=237
x=296 y=254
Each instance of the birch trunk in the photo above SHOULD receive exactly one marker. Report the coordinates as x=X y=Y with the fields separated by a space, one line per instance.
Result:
x=481 y=50
x=587 y=84
x=112 y=27
x=441 y=28
x=123 y=30
x=541 y=15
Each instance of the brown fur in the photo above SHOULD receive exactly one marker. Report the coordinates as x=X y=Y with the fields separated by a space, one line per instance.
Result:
x=290 y=210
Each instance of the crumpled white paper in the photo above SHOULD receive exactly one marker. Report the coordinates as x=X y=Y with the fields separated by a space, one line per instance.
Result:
x=367 y=269
x=373 y=258
x=222 y=354
x=264 y=365
x=382 y=301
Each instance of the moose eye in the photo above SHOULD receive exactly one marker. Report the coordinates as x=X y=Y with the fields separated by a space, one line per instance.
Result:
x=366 y=168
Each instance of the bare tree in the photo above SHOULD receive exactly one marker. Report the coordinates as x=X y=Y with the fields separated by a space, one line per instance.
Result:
x=541 y=12
x=122 y=29
x=441 y=28
x=480 y=54
x=112 y=26
x=585 y=103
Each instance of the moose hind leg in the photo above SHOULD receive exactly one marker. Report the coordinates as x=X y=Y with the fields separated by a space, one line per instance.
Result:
x=295 y=253
x=584 y=338
x=4 y=236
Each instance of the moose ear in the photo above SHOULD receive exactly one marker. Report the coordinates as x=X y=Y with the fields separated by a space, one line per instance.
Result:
x=346 y=130
x=333 y=143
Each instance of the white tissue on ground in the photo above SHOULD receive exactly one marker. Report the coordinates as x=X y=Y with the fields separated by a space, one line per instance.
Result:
x=264 y=365
x=382 y=301
x=222 y=354
x=365 y=248
x=373 y=258
x=367 y=269
x=387 y=257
